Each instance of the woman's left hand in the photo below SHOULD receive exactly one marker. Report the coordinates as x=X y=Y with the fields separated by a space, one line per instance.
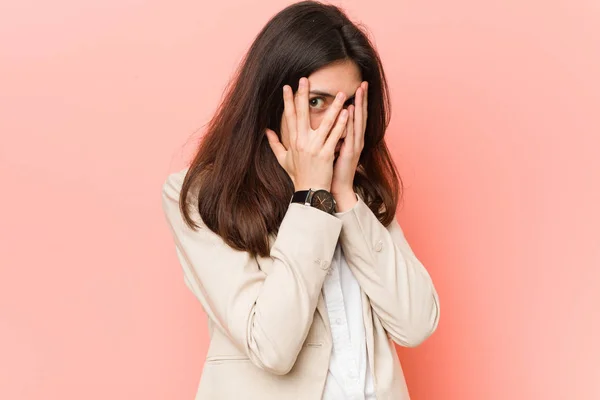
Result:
x=345 y=166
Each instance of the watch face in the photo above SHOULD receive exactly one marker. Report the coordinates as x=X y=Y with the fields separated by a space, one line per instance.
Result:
x=323 y=200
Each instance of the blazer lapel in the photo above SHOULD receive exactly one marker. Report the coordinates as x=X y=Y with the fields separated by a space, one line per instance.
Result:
x=369 y=336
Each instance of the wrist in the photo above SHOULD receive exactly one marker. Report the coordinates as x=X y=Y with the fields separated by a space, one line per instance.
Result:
x=345 y=200
x=313 y=187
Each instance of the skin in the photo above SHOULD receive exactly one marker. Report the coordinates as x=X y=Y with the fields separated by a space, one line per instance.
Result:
x=324 y=84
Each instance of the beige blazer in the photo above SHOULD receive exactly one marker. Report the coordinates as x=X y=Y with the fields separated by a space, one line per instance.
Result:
x=270 y=337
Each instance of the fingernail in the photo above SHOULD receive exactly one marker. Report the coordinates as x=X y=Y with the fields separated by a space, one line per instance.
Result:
x=339 y=96
x=302 y=82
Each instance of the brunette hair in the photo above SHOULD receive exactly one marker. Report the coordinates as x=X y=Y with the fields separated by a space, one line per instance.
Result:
x=241 y=190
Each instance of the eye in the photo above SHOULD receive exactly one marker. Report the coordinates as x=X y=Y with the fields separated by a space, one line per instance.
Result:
x=314 y=102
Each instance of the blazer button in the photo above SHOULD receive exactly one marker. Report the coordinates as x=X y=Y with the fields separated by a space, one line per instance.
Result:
x=324 y=264
x=379 y=246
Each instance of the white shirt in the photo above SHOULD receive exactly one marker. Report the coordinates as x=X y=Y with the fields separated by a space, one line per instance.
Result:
x=349 y=376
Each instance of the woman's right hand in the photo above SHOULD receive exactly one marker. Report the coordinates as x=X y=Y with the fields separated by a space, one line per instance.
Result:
x=309 y=160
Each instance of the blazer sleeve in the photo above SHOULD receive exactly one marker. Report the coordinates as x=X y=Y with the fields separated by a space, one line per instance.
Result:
x=267 y=316
x=400 y=289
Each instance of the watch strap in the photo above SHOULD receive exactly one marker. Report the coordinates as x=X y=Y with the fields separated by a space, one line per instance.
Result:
x=301 y=196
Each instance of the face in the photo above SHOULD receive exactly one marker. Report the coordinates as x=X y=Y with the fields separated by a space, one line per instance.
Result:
x=324 y=84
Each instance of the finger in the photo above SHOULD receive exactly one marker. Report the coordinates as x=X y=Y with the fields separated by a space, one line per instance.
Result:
x=278 y=148
x=302 y=106
x=330 y=117
x=289 y=113
x=350 y=128
x=336 y=132
x=365 y=104
x=358 y=113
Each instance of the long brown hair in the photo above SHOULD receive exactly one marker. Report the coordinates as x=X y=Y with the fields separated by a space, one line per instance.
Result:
x=242 y=192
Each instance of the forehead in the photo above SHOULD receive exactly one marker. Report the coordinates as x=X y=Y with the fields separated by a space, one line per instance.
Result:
x=343 y=76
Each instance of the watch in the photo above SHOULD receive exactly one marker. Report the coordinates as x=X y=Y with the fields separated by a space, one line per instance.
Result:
x=320 y=199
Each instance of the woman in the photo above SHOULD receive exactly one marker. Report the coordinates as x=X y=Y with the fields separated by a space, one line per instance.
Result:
x=284 y=223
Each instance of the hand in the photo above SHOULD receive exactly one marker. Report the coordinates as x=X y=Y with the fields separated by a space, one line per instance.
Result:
x=309 y=160
x=345 y=166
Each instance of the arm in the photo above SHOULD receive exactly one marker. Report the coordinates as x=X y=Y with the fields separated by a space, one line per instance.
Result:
x=401 y=291
x=266 y=316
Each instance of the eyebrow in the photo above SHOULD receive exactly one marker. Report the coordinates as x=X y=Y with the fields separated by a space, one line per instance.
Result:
x=325 y=94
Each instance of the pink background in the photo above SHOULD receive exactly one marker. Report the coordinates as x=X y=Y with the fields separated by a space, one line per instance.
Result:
x=495 y=129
